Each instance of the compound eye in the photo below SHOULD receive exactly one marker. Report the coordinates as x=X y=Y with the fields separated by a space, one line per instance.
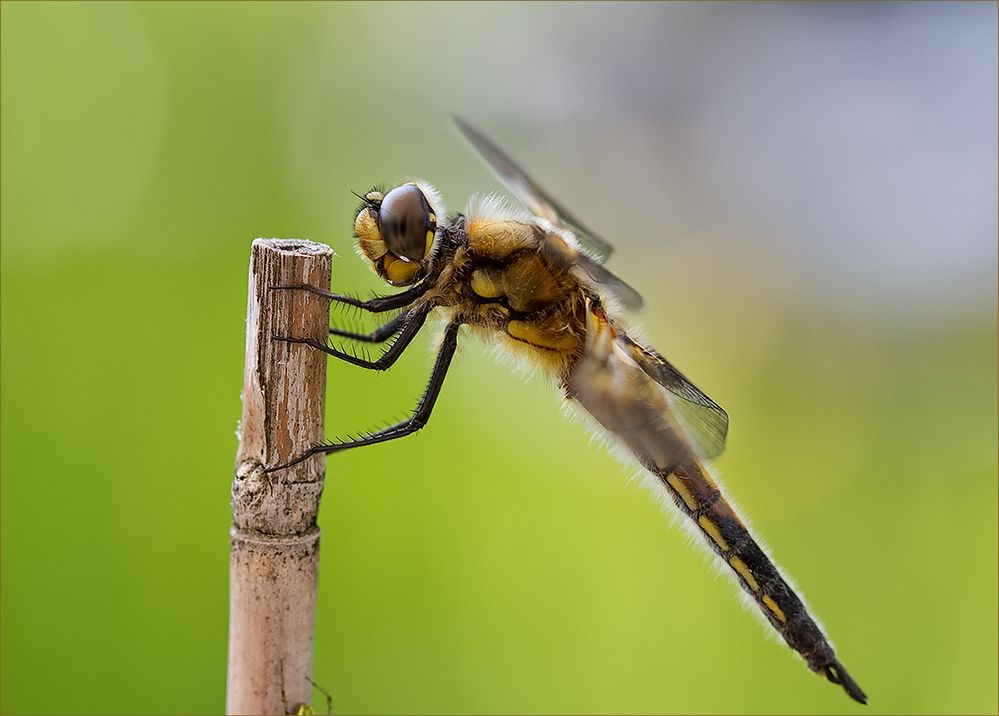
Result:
x=405 y=220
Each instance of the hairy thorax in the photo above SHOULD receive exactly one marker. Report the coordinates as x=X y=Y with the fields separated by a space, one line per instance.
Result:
x=501 y=282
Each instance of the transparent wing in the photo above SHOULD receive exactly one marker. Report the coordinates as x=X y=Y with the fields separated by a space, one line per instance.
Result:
x=637 y=395
x=570 y=258
x=705 y=421
x=532 y=196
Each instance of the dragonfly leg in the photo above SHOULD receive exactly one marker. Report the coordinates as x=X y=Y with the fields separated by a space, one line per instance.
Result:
x=419 y=418
x=378 y=304
x=412 y=323
x=324 y=692
x=379 y=335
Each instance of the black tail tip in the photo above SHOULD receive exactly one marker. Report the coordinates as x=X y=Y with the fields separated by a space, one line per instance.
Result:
x=838 y=675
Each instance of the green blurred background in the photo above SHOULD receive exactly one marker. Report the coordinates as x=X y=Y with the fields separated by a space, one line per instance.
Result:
x=806 y=195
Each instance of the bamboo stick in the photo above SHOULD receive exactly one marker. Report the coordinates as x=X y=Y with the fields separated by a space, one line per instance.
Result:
x=274 y=557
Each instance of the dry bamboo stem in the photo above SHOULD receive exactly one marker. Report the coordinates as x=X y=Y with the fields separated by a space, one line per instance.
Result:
x=274 y=558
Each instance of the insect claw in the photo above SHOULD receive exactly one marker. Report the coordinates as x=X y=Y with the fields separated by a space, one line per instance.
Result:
x=288 y=339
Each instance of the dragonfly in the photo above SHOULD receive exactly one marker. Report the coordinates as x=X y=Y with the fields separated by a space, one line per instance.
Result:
x=533 y=278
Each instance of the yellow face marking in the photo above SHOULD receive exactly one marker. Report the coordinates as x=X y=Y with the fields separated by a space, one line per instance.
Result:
x=677 y=484
x=430 y=242
x=369 y=238
x=713 y=532
x=433 y=217
x=399 y=272
x=739 y=566
x=772 y=606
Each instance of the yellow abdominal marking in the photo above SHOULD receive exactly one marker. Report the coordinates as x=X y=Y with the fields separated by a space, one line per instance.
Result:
x=772 y=606
x=739 y=566
x=531 y=333
x=677 y=484
x=712 y=529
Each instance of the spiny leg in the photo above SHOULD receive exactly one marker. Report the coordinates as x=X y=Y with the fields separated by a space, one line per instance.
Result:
x=379 y=335
x=378 y=304
x=419 y=418
x=412 y=323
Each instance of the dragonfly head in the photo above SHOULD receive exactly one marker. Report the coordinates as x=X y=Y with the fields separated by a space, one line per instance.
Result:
x=396 y=230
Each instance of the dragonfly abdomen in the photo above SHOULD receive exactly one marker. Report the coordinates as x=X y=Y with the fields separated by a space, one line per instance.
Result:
x=698 y=497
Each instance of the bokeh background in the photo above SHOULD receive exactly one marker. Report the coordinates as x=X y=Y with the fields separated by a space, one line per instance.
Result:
x=806 y=195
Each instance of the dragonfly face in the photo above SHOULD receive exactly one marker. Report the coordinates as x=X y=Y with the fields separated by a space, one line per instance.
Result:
x=395 y=231
x=534 y=279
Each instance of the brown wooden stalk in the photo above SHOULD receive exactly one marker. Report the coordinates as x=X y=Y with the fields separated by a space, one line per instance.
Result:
x=274 y=558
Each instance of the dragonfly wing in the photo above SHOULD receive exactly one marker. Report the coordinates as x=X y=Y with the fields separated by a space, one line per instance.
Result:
x=532 y=196
x=557 y=247
x=627 y=402
x=704 y=420
x=585 y=268
x=636 y=394
x=618 y=383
